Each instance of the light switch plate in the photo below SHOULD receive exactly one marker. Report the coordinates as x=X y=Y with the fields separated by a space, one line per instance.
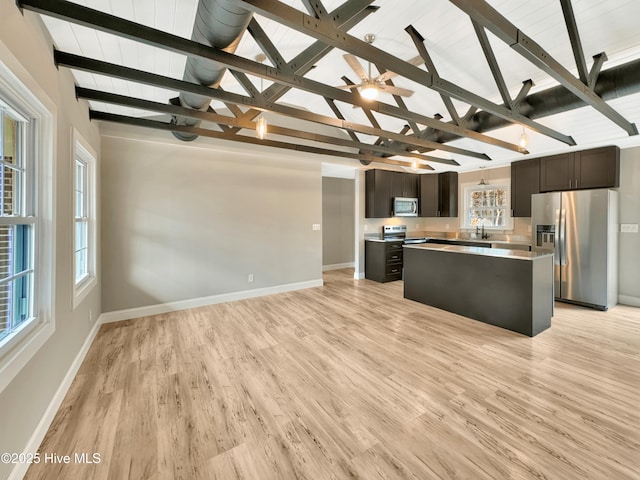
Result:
x=316 y=226
x=629 y=227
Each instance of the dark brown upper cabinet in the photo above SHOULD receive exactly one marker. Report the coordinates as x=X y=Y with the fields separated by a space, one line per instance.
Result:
x=429 y=195
x=525 y=181
x=439 y=195
x=382 y=186
x=448 y=186
x=378 y=197
x=595 y=168
x=598 y=168
x=404 y=185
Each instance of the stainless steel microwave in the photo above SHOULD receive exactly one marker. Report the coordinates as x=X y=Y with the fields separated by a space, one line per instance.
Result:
x=405 y=207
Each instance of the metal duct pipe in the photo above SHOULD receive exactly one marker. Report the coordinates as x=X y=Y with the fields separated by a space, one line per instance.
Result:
x=613 y=83
x=220 y=24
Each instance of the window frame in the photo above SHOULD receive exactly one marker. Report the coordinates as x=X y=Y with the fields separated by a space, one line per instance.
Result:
x=84 y=153
x=23 y=95
x=468 y=188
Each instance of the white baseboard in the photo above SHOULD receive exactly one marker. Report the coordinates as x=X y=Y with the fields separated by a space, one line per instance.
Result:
x=628 y=300
x=45 y=422
x=158 y=309
x=337 y=266
x=358 y=275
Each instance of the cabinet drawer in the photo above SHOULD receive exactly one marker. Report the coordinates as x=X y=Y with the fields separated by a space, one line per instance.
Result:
x=393 y=270
x=394 y=256
x=393 y=246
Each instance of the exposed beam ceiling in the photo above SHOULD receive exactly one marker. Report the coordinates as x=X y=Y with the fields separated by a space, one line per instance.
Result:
x=489 y=18
x=240 y=122
x=109 y=69
x=304 y=42
x=325 y=30
x=108 y=23
x=157 y=125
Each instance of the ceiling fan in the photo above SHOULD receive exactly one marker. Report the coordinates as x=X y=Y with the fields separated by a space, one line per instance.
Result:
x=370 y=86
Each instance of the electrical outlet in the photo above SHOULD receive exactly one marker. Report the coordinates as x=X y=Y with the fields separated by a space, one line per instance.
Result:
x=90 y=316
x=250 y=278
x=629 y=227
x=316 y=226
x=366 y=227
x=446 y=226
x=528 y=228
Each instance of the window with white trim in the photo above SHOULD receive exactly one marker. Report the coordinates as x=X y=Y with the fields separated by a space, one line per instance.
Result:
x=27 y=219
x=16 y=224
x=81 y=246
x=84 y=249
x=488 y=206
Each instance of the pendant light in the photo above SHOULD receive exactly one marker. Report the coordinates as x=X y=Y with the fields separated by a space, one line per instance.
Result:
x=261 y=127
x=261 y=122
x=524 y=141
x=482 y=182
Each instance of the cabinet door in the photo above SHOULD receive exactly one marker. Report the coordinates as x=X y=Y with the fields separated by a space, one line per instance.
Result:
x=397 y=184
x=378 y=198
x=598 y=168
x=525 y=181
x=410 y=185
x=404 y=185
x=556 y=173
x=448 y=186
x=429 y=195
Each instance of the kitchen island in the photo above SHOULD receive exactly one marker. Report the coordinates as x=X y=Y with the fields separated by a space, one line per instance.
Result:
x=512 y=289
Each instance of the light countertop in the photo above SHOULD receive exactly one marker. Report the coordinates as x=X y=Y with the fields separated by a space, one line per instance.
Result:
x=489 y=252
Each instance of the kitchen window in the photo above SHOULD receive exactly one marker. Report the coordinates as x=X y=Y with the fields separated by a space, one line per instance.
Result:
x=26 y=223
x=488 y=206
x=84 y=220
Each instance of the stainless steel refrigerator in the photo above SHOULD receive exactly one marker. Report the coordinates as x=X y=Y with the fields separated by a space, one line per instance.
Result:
x=581 y=229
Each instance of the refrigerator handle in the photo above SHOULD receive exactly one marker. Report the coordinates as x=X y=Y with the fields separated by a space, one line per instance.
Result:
x=556 y=244
x=563 y=237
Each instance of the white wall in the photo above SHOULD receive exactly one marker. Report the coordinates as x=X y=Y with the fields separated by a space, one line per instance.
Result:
x=26 y=47
x=338 y=221
x=629 y=191
x=190 y=220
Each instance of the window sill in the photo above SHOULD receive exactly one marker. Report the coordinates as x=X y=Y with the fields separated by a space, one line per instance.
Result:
x=83 y=289
x=20 y=352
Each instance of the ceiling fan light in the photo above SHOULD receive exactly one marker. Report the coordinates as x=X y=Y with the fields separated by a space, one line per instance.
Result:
x=369 y=91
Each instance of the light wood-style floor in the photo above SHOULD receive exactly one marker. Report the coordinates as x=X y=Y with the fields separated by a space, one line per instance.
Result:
x=351 y=381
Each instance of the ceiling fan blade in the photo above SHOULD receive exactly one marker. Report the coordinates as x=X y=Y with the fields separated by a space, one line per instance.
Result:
x=416 y=61
x=356 y=66
x=393 y=90
x=347 y=87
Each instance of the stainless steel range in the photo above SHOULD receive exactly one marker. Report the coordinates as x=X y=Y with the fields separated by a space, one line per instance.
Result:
x=399 y=232
x=394 y=232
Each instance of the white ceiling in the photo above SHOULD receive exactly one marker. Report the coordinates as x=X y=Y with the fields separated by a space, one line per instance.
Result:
x=609 y=26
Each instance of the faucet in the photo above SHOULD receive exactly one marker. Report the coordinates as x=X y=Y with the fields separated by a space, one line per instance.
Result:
x=484 y=236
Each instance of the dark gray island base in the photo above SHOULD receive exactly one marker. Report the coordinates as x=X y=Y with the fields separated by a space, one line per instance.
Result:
x=507 y=288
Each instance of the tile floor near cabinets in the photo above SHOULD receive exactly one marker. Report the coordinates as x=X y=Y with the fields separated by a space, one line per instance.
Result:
x=351 y=381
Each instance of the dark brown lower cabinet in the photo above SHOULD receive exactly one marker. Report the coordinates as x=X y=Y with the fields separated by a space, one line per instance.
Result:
x=382 y=261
